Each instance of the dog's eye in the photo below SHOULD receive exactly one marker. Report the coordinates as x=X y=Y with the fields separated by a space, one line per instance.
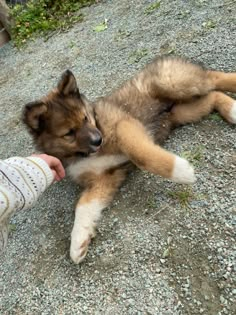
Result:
x=85 y=118
x=70 y=133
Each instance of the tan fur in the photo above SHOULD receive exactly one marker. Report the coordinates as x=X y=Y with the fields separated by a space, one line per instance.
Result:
x=223 y=81
x=194 y=110
x=141 y=150
x=101 y=186
x=127 y=125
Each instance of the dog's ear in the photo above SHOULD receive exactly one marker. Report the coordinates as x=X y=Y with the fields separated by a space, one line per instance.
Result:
x=67 y=85
x=33 y=115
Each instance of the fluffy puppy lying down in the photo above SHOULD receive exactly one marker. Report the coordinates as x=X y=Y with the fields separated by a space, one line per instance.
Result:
x=98 y=140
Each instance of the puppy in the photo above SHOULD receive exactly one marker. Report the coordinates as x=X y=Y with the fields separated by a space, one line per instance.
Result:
x=98 y=140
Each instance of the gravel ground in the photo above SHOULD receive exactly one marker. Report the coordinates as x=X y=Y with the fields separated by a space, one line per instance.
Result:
x=161 y=248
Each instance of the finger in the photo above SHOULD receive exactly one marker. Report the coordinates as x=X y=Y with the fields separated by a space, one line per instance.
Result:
x=55 y=176
x=58 y=168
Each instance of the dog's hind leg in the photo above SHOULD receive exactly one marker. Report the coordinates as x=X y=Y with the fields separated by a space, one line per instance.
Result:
x=134 y=141
x=195 y=110
x=223 y=81
x=100 y=192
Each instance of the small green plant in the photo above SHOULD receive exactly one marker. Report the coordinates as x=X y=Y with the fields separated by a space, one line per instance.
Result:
x=194 y=156
x=121 y=34
x=200 y=3
x=40 y=17
x=12 y=227
x=209 y=24
x=154 y=6
x=150 y=202
x=183 y=14
x=183 y=196
x=215 y=117
x=137 y=55
x=168 y=250
x=101 y=27
x=168 y=49
x=186 y=195
x=171 y=51
x=72 y=44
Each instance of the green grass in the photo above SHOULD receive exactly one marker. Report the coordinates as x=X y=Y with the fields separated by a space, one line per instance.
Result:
x=183 y=196
x=195 y=156
x=150 y=202
x=209 y=24
x=42 y=16
x=136 y=55
x=121 y=34
x=215 y=117
x=101 y=27
x=154 y=6
x=183 y=14
x=12 y=227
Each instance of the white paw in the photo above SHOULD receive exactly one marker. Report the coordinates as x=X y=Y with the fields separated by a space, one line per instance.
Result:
x=232 y=114
x=183 y=172
x=80 y=240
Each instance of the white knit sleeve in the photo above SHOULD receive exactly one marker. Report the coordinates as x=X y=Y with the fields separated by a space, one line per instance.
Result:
x=22 y=181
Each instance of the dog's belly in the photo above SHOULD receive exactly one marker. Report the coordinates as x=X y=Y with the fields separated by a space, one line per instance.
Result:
x=95 y=164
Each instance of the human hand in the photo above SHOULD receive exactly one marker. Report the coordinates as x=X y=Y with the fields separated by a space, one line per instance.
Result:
x=54 y=164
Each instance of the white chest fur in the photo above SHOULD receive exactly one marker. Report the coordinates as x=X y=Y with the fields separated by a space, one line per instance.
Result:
x=95 y=164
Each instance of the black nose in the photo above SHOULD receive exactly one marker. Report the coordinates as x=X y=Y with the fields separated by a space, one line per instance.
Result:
x=96 y=140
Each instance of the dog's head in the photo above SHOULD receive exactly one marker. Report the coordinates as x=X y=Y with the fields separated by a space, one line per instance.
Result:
x=62 y=123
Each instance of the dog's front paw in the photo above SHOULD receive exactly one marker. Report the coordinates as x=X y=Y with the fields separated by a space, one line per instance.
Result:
x=80 y=240
x=183 y=172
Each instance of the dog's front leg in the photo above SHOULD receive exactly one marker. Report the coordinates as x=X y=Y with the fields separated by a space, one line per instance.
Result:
x=87 y=214
x=138 y=146
x=89 y=208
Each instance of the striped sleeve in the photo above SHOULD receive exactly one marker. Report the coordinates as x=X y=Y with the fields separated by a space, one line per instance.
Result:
x=22 y=181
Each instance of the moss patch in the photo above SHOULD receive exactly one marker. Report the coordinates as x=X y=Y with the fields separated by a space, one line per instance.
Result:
x=42 y=16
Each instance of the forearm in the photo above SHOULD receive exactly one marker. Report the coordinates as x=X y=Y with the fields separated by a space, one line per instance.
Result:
x=22 y=181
